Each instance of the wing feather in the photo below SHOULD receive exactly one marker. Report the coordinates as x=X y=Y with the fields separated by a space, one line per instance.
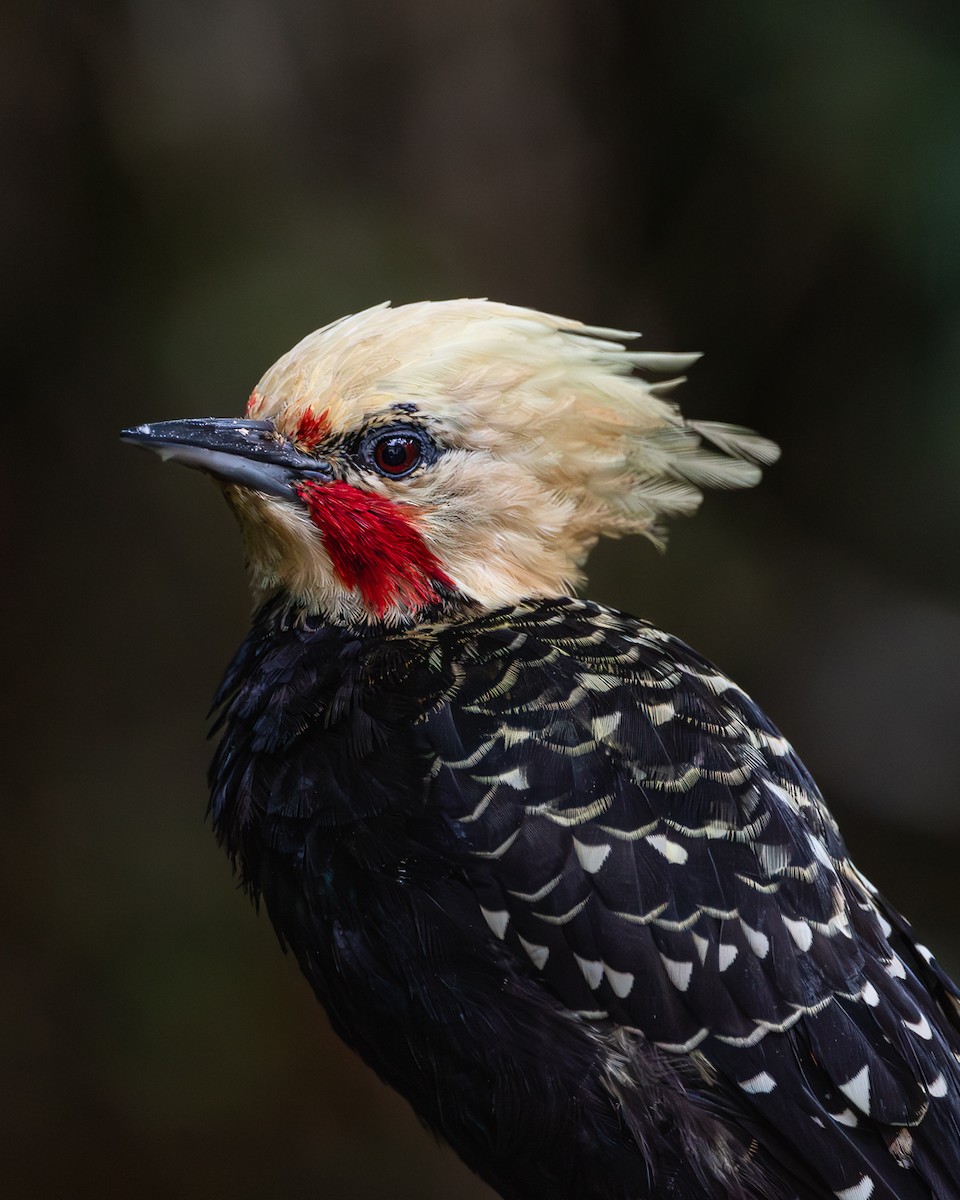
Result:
x=664 y=862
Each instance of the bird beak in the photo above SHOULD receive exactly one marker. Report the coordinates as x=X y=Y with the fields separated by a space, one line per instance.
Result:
x=249 y=453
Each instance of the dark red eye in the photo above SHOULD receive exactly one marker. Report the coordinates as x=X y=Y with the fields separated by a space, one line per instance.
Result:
x=396 y=451
x=397 y=454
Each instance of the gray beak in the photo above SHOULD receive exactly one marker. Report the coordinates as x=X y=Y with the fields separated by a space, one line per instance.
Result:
x=234 y=450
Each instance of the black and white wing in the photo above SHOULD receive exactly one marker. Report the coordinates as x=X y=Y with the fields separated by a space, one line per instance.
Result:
x=650 y=847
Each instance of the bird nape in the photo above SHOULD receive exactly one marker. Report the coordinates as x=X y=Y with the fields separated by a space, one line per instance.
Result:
x=552 y=875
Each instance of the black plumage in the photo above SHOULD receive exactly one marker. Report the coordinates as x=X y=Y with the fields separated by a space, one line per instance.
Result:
x=566 y=888
x=557 y=879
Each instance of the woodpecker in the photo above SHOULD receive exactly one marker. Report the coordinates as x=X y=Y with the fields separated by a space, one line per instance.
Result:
x=557 y=879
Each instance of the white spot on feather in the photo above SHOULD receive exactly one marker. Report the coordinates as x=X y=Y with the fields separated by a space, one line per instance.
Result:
x=895 y=968
x=538 y=954
x=602 y=727
x=620 y=981
x=598 y=683
x=938 y=1088
x=592 y=970
x=702 y=946
x=870 y=995
x=847 y=1117
x=497 y=921
x=591 y=858
x=801 y=933
x=857 y=1090
x=660 y=714
x=925 y=953
x=759 y=1084
x=715 y=682
x=726 y=956
x=862 y=1190
x=758 y=942
x=672 y=851
x=921 y=1028
x=679 y=973
x=775 y=859
x=781 y=793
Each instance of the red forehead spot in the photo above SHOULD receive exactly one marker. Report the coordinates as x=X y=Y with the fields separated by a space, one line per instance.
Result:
x=254 y=403
x=374 y=547
x=311 y=429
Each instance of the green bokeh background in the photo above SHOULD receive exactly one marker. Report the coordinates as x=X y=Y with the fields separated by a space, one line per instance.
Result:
x=188 y=188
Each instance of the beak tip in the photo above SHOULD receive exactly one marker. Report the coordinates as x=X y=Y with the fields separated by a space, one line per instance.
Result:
x=136 y=433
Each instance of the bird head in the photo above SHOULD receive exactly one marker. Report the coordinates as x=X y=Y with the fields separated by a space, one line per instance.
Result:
x=461 y=453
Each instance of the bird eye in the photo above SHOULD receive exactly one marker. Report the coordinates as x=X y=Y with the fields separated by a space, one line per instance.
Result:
x=397 y=452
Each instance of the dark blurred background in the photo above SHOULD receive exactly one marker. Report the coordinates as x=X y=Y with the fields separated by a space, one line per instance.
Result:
x=188 y=188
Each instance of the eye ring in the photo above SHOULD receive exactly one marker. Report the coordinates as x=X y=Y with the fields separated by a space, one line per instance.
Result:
x=397 y=452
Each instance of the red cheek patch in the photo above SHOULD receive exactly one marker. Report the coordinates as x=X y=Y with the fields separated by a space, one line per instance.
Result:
x=374 y=547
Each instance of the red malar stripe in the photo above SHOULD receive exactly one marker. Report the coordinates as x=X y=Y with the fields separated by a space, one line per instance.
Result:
x=374 y=547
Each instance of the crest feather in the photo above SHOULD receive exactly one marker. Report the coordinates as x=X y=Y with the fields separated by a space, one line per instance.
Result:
x=561 y=399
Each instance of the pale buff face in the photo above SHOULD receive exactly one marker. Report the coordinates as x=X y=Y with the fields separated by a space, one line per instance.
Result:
x=544 y=441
